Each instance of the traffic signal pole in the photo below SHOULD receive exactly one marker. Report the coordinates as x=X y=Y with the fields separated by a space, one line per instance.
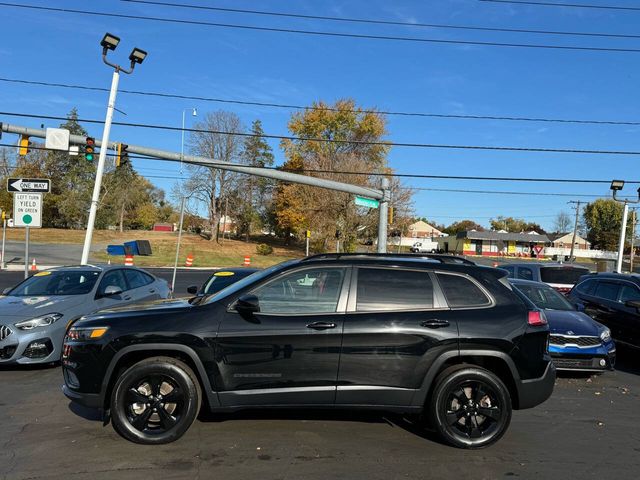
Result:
x=376 y=193
x=99 y=172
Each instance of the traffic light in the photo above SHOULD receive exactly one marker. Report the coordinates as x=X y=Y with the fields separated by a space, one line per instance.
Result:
x=24 y=145
x=89 y=148
x=390 y=216
x=122 y=155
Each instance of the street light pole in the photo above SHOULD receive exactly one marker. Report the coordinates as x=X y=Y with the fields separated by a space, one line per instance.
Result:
x=101 y=160
x=616 y=186
x=194 y=113
x=383 y=216
x=109 y=42
x=175 y=264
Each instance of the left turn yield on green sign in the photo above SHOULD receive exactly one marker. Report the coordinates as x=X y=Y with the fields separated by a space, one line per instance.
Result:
x=27 y=210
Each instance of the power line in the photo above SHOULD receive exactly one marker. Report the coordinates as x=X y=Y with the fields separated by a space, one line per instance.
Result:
x=571 y=5
x=327 y=108
x=500 y=192
x=375 y=174
x=380 y=22
x=320 y=33
x=335 y=141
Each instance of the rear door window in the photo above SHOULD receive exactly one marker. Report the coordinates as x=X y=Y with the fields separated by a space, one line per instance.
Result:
x=383 y=289
x=137 y=279
x=461 y=292
x=509 y=269
x=586 y=287
x=607 y=291
x=562 y=275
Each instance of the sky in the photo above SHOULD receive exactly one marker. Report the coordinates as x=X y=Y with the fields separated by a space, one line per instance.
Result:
x=275 y=67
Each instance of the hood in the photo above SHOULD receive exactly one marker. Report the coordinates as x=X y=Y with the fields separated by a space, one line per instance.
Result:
x=12 y=308
x=165 y=304
x=564 y=321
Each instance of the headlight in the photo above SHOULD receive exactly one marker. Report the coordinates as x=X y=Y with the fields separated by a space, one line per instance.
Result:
x=605 y=336
x=43 y=321
x=86 y=333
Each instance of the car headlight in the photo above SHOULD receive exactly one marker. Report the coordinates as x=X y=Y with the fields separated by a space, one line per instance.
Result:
x=92 y=333
x=42 y=321
x=605 y=336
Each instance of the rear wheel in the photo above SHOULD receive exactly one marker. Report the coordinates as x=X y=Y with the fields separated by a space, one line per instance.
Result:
x=155 y=401
x=470 y=407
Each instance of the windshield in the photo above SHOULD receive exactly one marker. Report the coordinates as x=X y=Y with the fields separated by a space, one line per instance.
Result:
x=566 y=275
x=545 y=297
x=75 y=282
x=222 y=279
x=239 y=285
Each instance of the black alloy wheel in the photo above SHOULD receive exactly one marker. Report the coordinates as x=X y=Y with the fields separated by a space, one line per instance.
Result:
x=155 y=401
x=471 y=407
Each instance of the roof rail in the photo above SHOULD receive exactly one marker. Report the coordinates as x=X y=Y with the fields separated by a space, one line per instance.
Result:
x=411 y=256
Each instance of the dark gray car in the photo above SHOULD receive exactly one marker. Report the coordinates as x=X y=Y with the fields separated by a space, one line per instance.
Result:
x=561 y=276
x=36 y=313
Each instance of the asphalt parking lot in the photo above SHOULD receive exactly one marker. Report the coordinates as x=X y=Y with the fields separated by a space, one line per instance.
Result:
x=587 y=429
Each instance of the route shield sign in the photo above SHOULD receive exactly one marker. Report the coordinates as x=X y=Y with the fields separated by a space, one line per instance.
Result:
x=27 y=210
x=41 y=185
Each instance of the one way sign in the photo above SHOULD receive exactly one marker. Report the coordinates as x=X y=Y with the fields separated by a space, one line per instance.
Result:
x=30 y=185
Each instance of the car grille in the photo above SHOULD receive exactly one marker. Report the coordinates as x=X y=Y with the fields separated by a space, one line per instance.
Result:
x=4 y=332
x=564 y=340
x=573 y=363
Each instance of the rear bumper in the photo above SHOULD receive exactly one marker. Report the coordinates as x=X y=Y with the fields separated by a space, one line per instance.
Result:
x=536 y=390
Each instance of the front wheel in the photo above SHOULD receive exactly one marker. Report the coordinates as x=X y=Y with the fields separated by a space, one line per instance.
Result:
x=470 y=407
x=155 y=401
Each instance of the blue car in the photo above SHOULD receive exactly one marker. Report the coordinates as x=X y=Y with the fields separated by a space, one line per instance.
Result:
x=576 y=341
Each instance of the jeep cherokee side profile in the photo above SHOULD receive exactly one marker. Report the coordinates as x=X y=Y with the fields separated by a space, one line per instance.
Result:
x=386 y=332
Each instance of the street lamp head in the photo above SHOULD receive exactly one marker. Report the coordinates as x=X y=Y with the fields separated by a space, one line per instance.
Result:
x=137 y=56
x=195 y=112
x=617 y=185
x=109 y=42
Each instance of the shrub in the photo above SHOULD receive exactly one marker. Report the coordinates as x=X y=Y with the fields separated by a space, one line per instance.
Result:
x=264 y=249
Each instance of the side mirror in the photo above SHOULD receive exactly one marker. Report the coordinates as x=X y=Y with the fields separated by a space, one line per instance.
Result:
x=579 y=307
x=247 y=305
x=112 y=290
x=6 y=290
x=193 y=289
x=633 y=304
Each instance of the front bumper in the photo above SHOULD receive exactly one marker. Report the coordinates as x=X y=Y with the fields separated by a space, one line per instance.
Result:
x=596 y=359
x=536 y=390
x=18 y=347
x=91 y=400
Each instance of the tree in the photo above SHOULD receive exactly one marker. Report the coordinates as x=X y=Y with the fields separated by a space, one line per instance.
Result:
x=562 y=223
x=212 y=185
x=463 y=226
x=250 y=197
x=603 y=218
x=351 y=153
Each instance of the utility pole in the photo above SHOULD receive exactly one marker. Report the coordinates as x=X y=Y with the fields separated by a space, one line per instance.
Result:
x=616 y=186
x=175 y=264
x=575 y=228
x=109 y=42
x=634 y=221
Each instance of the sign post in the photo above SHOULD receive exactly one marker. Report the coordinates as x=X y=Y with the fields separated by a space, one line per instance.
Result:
x=27 y=212
x=308 y=236
x=4 y=237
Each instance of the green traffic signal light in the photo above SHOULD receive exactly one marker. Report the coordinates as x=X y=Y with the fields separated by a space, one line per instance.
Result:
x=89 y=149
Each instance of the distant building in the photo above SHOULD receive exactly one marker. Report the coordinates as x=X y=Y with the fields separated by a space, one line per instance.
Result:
x=227 y=225
x=472 y=242
x=563 y=240
x=163 y=227
x=422 y=229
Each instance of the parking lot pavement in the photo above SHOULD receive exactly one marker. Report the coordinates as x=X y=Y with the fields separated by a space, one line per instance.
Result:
x=587 y=429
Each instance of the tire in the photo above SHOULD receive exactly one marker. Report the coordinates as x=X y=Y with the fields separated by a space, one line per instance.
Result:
x=470 y=407
x=138 y=412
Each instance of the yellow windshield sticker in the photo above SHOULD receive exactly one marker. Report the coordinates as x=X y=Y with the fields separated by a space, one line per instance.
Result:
x=223 y=274
x=42 y=274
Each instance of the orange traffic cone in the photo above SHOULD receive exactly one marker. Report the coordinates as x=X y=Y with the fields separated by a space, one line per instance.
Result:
x=128 y=260
x=247 y=260
x=189 y=262
x=33 y=265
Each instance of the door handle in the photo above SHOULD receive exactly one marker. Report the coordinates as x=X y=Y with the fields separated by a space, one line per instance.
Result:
x=127 y=297
x=321 y=325
x=434 y=323
x=153 y=290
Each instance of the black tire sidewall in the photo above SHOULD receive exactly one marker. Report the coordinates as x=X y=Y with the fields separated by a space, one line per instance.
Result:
x=179 y=373
x=445 y=383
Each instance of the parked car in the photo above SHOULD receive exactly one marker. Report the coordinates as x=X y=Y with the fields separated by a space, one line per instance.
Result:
x=561 y=276
x=36 y=313
x=221 y=279
x=424 y=246
x=390 y=332
x=576 y=341
x=612 y=299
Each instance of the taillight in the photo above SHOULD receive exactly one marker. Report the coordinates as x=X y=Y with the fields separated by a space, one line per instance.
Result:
x=536 y=318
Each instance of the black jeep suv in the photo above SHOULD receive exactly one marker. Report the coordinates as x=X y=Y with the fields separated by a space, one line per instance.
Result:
x=387 y=332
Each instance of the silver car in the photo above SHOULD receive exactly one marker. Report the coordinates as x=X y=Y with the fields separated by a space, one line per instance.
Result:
x=36 y=314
